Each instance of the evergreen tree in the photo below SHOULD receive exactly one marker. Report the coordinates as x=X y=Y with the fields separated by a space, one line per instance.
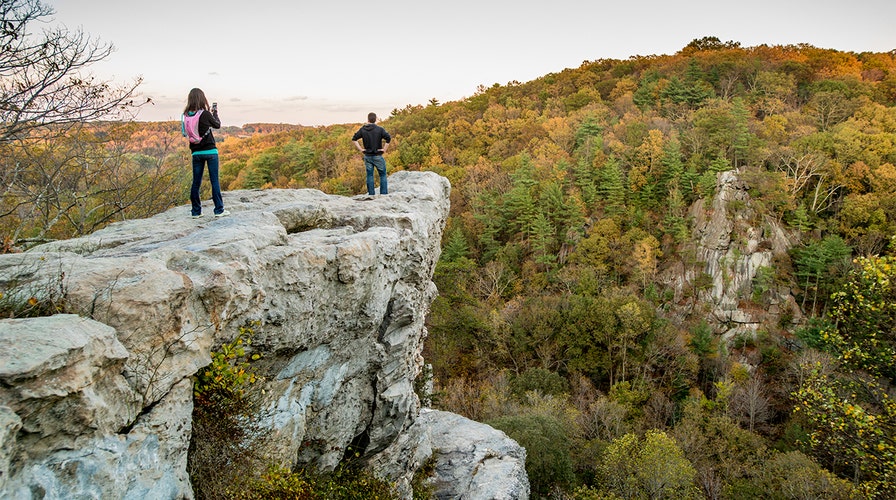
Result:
x=455 y=247
x=817 y=268
x=585 y=180
x=519 y=208
x=543 y=242
x=673 y=166
x=612 y=186
x=588 y=138
x=487 y=212
x=743 y=139
x=562 y=211
x=696 y=90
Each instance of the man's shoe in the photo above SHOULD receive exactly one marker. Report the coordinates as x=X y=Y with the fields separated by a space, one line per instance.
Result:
x=197 y=216
x=223 y=214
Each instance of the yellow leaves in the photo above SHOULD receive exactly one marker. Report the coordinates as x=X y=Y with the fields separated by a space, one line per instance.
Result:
x=739 y=373
x=774 y=128
x=883 y=178
x=841 y=424
x=229 y=372
x=646 y=252
x=560 y=132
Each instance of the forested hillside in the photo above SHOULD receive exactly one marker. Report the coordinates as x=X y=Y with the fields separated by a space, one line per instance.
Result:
x=572 y=197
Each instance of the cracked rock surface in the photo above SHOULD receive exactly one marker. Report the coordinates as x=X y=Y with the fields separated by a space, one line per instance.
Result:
x=97 y=402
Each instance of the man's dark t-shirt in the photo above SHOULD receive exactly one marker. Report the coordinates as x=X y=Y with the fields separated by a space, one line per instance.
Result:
x=372 y=136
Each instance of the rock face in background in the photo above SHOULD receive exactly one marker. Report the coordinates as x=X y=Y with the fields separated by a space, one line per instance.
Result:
x=336 y=290
x=731 y=244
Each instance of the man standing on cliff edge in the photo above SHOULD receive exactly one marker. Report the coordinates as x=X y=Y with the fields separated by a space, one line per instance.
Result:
x=373 y=148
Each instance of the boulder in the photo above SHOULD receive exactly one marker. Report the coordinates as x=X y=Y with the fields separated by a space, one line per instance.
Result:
x=467 y=459
x=474 y=461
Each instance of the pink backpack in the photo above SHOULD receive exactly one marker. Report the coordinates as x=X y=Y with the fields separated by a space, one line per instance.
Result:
x=190 y=127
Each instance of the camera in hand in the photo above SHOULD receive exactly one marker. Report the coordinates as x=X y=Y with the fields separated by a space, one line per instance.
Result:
x=215 y=106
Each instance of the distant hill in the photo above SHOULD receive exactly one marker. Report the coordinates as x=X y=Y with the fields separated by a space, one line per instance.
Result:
x=269 y=128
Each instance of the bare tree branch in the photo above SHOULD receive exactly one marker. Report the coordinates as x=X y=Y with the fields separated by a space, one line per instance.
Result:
x=45 y=85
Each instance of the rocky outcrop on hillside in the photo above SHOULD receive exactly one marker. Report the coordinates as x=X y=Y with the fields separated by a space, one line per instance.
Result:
x=97 y=403
x=733 y=253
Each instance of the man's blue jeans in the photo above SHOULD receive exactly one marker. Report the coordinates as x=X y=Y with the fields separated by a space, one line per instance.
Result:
x=199 y=162
x=379 y=163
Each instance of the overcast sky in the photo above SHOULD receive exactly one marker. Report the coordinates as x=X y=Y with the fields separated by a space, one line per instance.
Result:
x=333 y=61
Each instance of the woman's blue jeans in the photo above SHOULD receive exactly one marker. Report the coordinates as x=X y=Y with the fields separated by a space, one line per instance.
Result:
x=379 y=163
x=199 y=162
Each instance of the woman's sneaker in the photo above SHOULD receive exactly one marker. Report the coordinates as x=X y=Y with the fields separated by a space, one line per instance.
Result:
x=223 y=214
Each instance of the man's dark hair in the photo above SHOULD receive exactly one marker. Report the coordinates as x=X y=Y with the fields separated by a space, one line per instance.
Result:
x=371 y=117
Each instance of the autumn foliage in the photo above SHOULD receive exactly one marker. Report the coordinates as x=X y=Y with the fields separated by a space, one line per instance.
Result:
x=560 y=309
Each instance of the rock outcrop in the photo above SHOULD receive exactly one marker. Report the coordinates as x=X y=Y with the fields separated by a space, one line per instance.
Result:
x=732 y=245
x=97 y=403
x=472 y=461
x=469 y=460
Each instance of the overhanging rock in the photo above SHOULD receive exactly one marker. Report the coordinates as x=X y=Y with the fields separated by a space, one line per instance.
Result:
x=336 y=290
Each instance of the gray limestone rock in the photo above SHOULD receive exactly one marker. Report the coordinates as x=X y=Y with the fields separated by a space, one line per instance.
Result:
x=733 y=242
x=474 y=461
x=469 y=460
x=61 y=376
x=97 y=403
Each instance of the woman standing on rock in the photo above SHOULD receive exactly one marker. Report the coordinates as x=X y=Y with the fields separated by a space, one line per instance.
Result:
x=197 y=124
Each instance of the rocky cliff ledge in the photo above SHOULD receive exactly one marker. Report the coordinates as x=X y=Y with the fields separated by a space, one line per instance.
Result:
x=732 y=245
x=97 y=403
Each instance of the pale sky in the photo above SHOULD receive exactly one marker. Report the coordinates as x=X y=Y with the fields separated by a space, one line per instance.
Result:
x=333 y=61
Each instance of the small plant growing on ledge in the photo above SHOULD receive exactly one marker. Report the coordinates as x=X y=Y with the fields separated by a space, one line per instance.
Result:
x=224 y=460
x=227 y=378
x=347 y=482
x=226 y=421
